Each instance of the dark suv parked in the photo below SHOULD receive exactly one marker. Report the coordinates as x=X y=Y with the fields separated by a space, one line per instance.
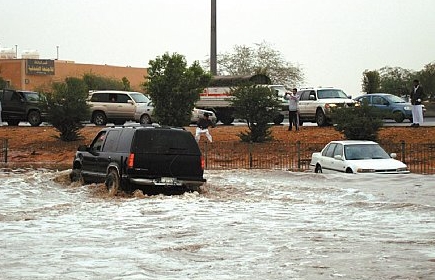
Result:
x=143 y=156
x=21 y=105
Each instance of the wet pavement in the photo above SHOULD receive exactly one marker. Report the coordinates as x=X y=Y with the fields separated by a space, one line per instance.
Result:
x=245 y=224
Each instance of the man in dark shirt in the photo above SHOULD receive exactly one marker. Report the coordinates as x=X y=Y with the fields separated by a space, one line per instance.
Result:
x=203 y=125
x=416 y=100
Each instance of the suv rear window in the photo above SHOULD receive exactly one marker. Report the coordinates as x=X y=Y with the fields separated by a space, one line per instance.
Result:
x=165 y=142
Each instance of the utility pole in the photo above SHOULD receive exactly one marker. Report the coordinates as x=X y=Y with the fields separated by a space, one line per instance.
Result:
x=213 y=53
x=57 y=52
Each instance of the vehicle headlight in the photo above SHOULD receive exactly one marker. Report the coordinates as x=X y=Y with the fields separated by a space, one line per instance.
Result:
x=365 y=170
x=402 y=169
x=407 y=108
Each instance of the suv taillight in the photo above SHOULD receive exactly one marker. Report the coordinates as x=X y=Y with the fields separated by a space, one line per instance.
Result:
x=130 y=161
x=202 y=162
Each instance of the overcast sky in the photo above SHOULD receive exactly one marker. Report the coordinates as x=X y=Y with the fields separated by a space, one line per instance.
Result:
x=333 y=41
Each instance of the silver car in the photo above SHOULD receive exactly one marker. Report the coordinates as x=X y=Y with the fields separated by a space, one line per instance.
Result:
x=115 y=106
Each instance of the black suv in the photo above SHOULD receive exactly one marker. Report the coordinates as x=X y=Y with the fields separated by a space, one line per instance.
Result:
x=21 y=105
x=145 y=156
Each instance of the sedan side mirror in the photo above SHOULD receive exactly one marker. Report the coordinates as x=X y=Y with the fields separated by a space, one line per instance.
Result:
x=338 y=157
x=393 y=155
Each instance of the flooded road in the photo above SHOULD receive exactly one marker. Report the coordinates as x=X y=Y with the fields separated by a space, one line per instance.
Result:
x=245 y=224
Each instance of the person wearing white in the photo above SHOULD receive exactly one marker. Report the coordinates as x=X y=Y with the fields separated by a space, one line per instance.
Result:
x=417 y=107
x=203 y=125
x=293 y=108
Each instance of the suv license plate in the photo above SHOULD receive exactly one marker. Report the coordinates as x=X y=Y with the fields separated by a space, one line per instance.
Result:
x=167 y=180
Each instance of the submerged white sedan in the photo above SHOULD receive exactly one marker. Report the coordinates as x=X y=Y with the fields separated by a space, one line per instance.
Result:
x=355 y=156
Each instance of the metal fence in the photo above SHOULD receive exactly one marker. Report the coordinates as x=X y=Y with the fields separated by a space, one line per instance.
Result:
x=4 y=150
x=420 y=158
x=295 y=156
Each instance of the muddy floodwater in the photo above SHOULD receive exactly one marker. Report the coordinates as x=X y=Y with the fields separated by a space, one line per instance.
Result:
x=245 y=224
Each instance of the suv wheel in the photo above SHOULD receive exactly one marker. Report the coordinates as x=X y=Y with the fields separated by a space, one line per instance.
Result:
x=112 y=182
x=99 y=118
x=76 y=176
x=320 y=118
x=34 y=118
x=145 y=119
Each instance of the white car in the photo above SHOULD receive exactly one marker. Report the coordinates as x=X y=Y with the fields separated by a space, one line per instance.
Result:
x=144 y=114
x=355 y=156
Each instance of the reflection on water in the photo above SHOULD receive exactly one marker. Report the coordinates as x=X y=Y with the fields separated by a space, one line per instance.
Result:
x=244 y=224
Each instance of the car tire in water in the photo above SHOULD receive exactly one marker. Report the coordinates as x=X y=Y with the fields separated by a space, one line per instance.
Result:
x=318 y=169
x=112 y=182
x=320 y=118
x=76 y=176
x=99 y=118
x=34 y=118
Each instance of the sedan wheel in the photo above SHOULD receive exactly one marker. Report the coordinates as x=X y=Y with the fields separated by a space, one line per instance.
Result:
x=318 y=169
x=398 y=117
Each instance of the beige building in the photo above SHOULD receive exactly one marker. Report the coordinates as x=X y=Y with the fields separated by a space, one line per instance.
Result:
x=31 y=74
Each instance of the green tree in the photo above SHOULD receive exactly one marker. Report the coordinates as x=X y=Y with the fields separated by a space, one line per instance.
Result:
x=96 y=82
x=126 y=84
x=174 y=88
x=260 y=59
x=358 y=123
x=67 y=108
x=427 y=79
x=257 y=106
x=395 y=80
x=371 y=81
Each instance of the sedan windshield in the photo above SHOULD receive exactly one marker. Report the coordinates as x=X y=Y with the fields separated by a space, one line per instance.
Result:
x=331 y=93
x=364 y=151
x=396 y=99
x=140 y=98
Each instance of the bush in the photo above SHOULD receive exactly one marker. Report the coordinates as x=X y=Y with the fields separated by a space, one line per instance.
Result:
x=358 y=123
x=67 y=108
x=256 y=105
x=174 y=88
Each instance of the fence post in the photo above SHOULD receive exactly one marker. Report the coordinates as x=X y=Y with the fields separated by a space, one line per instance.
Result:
x=298 y=147
x=403 y=148
x=206 y=155
x=5 y=150
x=250 y=154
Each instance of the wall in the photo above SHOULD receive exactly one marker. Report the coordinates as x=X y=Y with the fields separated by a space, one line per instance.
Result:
x=14 y=70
